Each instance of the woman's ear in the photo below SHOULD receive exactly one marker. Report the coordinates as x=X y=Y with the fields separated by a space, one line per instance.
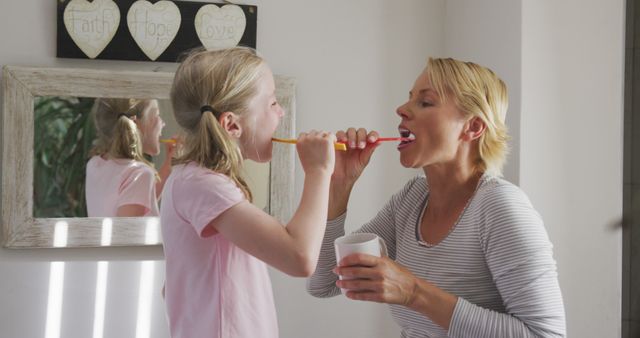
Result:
x=230 y=122
x=473 y=129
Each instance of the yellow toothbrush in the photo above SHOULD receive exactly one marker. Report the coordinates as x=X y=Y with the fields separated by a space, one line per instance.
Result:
x=337 y=145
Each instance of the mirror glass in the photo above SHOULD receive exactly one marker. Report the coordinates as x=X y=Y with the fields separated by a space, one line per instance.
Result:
x=47 y=140
x=64 y=137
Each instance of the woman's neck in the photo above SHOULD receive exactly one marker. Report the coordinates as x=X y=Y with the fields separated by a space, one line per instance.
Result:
x=451 y=185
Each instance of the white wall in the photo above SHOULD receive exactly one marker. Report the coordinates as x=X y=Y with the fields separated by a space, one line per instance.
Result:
x=563 y=63
x=488 y=33
x=571 y=149
x=355 y=62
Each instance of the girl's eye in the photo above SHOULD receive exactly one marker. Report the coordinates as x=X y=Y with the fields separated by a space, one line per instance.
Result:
x=274 y=103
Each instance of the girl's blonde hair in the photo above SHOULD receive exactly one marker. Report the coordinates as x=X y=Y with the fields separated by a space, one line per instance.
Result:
x=224 y=80
x=478 y=92
x=118 y=135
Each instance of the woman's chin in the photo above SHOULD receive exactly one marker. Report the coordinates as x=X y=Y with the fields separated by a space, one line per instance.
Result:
x=409 y=163
x=404 y=161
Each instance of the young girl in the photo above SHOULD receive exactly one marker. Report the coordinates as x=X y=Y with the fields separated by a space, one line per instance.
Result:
x=120 y=182
x=216 y=243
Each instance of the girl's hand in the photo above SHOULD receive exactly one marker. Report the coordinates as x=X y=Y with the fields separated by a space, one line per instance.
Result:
x=351 y=163
x=377 y=279
x=170 y=148
x=316 y=152
x=165 y=167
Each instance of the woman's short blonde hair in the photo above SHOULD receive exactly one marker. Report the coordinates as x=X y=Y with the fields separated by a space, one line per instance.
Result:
x=225 y=80
x=477 y=92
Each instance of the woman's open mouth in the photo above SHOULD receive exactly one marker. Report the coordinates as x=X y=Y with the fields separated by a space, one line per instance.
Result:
x=407 y=138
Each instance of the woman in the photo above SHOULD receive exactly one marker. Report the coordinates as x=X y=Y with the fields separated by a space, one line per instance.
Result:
x=468 y=254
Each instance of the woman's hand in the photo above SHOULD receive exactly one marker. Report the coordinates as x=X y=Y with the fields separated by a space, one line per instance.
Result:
x=377 y=279
x=351 y=163
x=380 y=279
x=349 y=166
x=316 y=152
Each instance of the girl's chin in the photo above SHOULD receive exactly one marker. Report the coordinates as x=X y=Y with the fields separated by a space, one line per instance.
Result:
x=260 y=156
x=259 y=159
x=152 y=152
x=264 y=159
x=265 y=156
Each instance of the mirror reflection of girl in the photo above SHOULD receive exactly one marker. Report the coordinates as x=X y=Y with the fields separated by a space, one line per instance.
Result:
x=120 y=182
x=216 y=243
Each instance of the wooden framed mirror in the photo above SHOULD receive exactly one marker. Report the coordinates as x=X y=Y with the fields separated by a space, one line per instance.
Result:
x=24 y=226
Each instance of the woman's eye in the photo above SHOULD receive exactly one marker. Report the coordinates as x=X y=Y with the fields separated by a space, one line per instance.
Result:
x=274 y=103
x=425 y=104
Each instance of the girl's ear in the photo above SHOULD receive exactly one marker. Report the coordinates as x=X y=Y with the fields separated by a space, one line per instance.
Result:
x=473 y=129
x=230 y=122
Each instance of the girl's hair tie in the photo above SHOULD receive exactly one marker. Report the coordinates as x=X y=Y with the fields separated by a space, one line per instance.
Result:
x=207 y=108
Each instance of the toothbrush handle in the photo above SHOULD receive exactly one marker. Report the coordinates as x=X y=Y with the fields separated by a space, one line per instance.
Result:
x=336 y=146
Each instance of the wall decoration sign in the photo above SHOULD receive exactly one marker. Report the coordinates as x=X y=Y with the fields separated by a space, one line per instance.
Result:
x=91 y=25
x=220 y=27
x=153 y=26
x=150 y=30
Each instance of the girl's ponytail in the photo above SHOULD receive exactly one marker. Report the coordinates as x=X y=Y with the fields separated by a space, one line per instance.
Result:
x=118 y=135
x=126 y=141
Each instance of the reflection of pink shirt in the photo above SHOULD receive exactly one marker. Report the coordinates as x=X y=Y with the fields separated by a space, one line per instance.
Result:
x=113 y=183
x=213 y=288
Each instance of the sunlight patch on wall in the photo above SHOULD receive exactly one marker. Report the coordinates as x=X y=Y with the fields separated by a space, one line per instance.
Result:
x=145 y=299
x=56 y=284
x=101 y=282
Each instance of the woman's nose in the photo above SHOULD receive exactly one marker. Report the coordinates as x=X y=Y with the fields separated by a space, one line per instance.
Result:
x=400 y=111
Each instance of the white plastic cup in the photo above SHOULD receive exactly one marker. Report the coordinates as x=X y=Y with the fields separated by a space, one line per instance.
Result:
x=366 y=243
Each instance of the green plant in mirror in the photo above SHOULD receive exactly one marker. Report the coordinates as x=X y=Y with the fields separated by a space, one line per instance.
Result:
x=63 y=137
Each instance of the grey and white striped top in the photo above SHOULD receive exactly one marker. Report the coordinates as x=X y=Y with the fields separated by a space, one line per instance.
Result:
x=497 y=259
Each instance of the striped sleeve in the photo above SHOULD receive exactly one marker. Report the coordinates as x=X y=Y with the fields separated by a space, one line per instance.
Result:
x=322 y=283
x=519 y=256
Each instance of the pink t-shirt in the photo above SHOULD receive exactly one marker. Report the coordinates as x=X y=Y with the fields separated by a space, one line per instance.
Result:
x=213 y=288
x=113 y=183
